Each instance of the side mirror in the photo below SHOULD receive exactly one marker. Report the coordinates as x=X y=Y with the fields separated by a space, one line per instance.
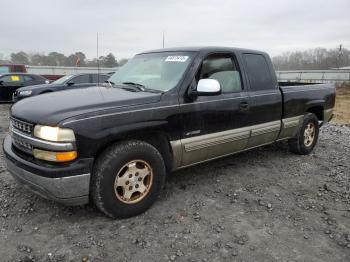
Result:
x=208 y=87
x=1 y=82
x=70 y=83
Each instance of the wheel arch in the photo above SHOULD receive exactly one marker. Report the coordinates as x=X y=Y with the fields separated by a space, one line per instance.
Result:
x=317 y=110
x=158 y=139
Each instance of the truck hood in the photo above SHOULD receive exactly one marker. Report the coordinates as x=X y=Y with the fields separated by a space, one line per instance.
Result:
x=51 y=108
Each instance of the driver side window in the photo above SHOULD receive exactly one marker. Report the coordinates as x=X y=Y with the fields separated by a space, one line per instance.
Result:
x=222 y=68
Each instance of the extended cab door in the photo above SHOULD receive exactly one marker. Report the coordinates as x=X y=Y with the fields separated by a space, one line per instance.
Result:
x=213 y=126
x=265 y=99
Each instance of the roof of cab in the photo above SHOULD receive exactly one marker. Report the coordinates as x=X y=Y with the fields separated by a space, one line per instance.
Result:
x=203 y=49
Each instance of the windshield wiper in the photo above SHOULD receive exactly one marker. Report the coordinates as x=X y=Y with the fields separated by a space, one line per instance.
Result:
x=142 y=87
x=132 y=86
x=137 y=85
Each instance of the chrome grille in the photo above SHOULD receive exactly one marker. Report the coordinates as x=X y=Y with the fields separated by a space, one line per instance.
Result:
x=21 y=126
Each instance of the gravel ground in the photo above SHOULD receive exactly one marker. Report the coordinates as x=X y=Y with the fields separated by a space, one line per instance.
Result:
x=262 y=205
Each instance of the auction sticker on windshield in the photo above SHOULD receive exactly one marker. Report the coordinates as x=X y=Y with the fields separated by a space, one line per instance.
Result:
x=14 y=78
x=178 y=58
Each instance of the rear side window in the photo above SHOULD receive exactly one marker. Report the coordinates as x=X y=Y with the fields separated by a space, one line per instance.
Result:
x=28 y=78
x=82 y=79
x=101 y=79
x=222 y=68
x=258 y=72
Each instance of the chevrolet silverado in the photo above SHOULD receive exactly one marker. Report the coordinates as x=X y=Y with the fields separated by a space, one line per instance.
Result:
x=166 y=109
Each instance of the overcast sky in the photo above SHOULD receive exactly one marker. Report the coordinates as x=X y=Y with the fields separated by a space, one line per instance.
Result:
x=127 y=27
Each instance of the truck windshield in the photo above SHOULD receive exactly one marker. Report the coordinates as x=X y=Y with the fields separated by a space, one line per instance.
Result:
x=158 y=71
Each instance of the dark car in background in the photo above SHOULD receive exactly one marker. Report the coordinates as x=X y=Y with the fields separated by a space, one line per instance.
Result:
x=10 y=82
x=64 y=83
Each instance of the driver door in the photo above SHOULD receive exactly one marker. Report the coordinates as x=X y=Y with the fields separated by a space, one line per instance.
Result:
x=215 y=126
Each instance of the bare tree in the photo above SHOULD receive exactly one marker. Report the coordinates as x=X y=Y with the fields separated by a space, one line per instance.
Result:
x=59 y=59
x=20 y=58
x=312 y=59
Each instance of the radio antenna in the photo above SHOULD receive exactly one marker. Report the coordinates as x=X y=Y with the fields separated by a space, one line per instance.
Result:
x=98 y=62
x=163 y=38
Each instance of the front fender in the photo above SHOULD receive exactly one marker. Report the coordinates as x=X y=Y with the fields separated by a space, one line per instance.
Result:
x=91 y=139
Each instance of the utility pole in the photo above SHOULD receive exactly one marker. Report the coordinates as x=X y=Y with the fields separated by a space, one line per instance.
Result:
x=98 y=61
x=340 y=53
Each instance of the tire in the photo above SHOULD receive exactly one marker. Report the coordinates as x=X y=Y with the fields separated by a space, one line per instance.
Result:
x=305 y=140
x=124 y=166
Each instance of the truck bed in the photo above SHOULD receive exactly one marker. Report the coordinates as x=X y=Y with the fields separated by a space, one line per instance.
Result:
x=284 y=83
x=299 y=98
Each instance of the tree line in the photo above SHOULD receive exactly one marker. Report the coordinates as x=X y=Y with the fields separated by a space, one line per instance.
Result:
x=59 y=59
x=312 y=59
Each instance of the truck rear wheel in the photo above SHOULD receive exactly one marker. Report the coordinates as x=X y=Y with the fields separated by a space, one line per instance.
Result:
x=127 y=179
x=307 y=136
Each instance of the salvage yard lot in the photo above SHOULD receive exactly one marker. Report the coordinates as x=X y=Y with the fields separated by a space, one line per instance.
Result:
x=263 y=205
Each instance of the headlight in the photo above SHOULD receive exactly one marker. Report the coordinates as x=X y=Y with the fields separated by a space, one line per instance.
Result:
x=25 y=93
x=56 y=134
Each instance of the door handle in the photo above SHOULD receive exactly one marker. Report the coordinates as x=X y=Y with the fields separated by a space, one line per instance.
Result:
x=244 y=105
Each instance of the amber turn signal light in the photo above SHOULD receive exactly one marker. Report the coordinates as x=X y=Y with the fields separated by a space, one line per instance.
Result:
x=55 y=156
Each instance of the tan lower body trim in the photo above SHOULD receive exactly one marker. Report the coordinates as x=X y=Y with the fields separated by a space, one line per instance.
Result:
x=176 y=146
x=290 y=127
x=327 y=114
x=217 y=157
x=264 y=133
x=198 y=149
x=200 y=142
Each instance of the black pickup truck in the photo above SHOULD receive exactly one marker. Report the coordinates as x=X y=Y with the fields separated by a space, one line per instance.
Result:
x=164 y=110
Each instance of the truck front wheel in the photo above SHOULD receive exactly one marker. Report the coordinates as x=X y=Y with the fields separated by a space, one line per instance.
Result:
x=307 y=136
x=127 y=179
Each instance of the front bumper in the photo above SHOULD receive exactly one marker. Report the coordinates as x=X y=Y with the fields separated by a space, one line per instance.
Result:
x=72 y=189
